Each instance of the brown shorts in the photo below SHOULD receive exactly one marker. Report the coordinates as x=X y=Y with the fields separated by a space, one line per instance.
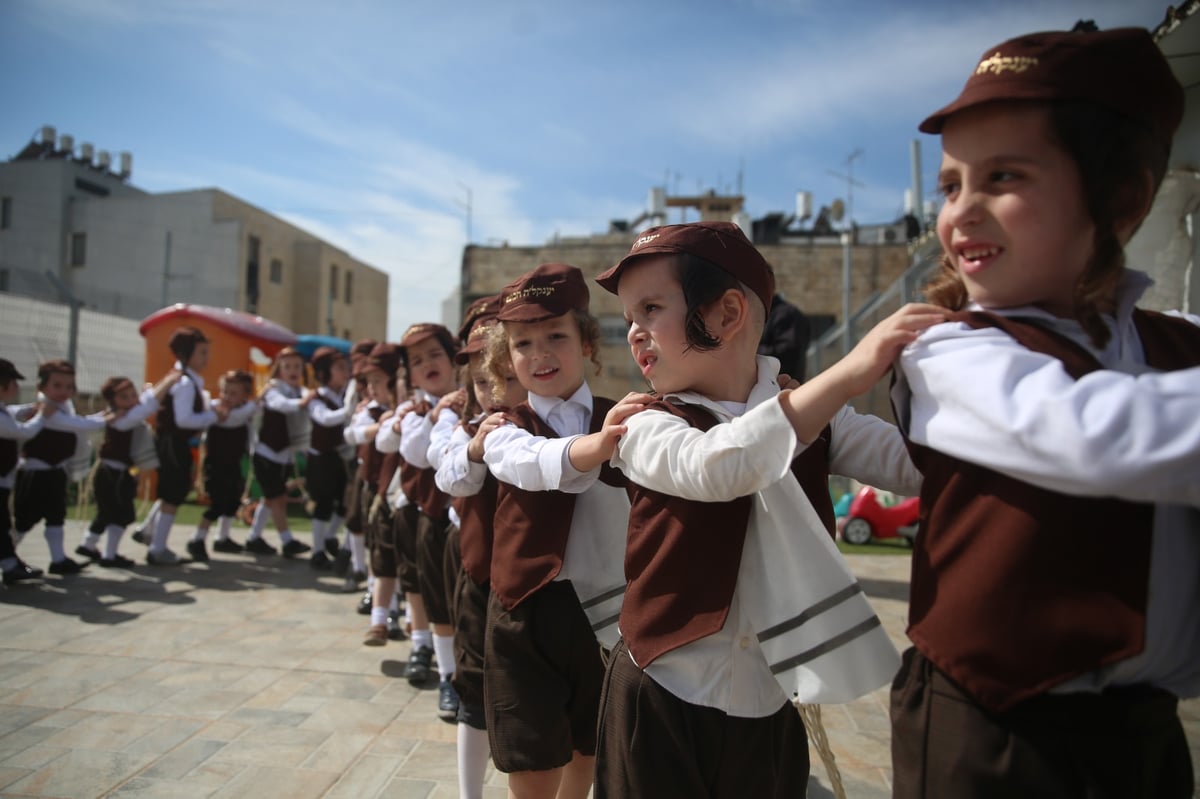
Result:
x=431 y=571
x=651 y=743
x=271 y=476
x=470 y=624
x=1125 y=742
x=542 y=678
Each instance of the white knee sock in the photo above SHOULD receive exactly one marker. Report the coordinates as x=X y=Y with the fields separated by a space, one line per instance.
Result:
x=358 y=552
x=285 y=535
x=115 y=531
x=200 y=534
x=378 y=616
x=443 y=648
x=473 y=755
x=91 y=540
x=54 y=540
x=151 y=520
x=334 y=527
x=318 y=532
x=162 y=531
x=422 y=638
x=261 y=514
x=223 y=531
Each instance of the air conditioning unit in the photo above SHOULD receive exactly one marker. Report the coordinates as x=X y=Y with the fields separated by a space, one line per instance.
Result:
x=103 y=160
x=86 y=151
x=66 y=143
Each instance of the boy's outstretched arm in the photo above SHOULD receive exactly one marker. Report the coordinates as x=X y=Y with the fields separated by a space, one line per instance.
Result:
x=810 y=407
x=593 y=450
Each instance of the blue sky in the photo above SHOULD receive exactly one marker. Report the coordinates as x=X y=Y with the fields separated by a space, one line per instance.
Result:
x=367 y=122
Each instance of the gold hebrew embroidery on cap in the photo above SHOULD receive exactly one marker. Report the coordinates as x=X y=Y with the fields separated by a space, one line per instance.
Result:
x=479 y=331
x=998 y=64
x=645 y=240
x=418 y=328
x=532 y=291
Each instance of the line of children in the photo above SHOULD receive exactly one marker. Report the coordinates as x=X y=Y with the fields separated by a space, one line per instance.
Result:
x=698 y=694
x=12 y=433
x=1056 y=576
x=462 y=473
x=559 y=538
x=285 y=423
x=114 y=486
x=352 y=554
x=427 y=351
x=226 y=445
x=41 y=490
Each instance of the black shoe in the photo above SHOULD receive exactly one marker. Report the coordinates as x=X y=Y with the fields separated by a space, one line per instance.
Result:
x=197 y=551
x=118 y=562
x=332 y=548
x=141 y=536
x=21 y=573
x=447 y=701
x=66 y=566
x=320 y=562
x=294 y=547
x=364 y=605
x=395 y=630
x=341 y=562
x=87 y=552
x=227 y=545
x=164 y=558
x=418 y=666
x=259 y=547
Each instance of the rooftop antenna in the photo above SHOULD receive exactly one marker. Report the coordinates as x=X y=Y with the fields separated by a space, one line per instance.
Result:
x=850 y=184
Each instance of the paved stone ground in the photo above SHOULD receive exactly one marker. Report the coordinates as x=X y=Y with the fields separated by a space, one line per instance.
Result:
x=247 y=677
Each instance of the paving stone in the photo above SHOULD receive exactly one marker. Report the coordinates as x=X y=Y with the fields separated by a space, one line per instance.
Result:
x=81 y=774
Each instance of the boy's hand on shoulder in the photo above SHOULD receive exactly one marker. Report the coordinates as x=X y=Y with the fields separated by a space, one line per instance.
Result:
x=786 y=381
x=595 y=449
x=476 y=448
x=455 y=401
x=874 y=354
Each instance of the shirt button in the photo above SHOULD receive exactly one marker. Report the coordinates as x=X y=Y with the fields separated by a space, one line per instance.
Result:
x=744 y=643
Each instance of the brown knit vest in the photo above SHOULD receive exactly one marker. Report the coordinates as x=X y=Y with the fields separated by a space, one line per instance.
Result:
x=531 y=527
x=370 y=459
x=50 y=446
x=476 y=515
x=1016 y=588
x=116 y=445
x=326 y=439
x=164 y=421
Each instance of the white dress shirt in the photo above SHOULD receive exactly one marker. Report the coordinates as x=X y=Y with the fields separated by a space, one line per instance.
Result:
x=183 y=395
x=19 y=431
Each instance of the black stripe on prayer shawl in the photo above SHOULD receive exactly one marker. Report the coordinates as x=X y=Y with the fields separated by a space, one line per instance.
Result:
x=607 y=595
x=600 y=625
x=810 y=612
x=857 y=631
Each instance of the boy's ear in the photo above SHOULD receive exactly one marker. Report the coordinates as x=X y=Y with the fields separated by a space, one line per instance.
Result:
x=1131 y=208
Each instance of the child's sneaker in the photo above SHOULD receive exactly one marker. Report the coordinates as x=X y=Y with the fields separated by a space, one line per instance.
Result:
x=419 y=663
x=447 y=702
x=259 y=547
x=164 y=558
x=227 y=545
x=320 y=562
x=21 y=573
x=197 y=551
x=117 y=562
x=376 y=635
x=294 y=547
x=66 y=566
x=87 y=552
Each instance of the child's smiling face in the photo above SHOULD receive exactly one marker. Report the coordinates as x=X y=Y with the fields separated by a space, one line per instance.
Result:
x=548 y=356
x=1014 y=223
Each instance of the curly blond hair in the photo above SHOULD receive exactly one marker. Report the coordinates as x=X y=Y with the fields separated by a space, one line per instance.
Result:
x=498 y=361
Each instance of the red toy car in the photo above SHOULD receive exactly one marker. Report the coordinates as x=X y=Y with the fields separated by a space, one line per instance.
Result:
x=869 y=519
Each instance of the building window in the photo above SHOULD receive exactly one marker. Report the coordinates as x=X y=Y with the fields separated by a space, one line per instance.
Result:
x=3 y=280
x=333 y=277
x=346 y=295
x=252 y=252
x=78 y=249
x=276 y=270
x=5 y=213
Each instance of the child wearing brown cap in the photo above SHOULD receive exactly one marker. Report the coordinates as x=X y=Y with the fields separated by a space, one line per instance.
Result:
x=17 y=424
x=356 y=399
x=1056 y=576
x=226 y=444
x=285 y=420
x=462 y=474
x=556 y=574
x=183 y=417
x=420 y=529
x=114 y=486
x=325 y=477
x=41 y=492
x=738 y=602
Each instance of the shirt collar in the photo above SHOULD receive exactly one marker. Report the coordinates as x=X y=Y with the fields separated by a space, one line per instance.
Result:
x=543 y=406
x=195 y=378
x=765 y=387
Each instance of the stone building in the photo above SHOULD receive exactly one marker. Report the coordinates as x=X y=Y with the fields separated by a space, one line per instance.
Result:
x=71 y=221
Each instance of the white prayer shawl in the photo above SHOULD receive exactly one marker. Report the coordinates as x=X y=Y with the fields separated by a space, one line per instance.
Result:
x=816 y=629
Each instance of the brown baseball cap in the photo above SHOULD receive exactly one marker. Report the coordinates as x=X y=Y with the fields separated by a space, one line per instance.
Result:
x=423 y=330
x=323 y=357
x=548 y=291
x=476 y=339
x=8 y=371
x=722 y=244
x=1121 y=69
x=484 y=306
x=385 y=357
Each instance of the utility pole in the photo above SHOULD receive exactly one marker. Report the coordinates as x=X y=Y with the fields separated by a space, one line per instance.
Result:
x=73 y=325
x=847 y=241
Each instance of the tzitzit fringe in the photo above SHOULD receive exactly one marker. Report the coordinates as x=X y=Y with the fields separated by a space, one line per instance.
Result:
x=811 y=715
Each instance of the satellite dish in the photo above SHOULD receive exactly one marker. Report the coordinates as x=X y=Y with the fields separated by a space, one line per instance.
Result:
x=837 y=210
